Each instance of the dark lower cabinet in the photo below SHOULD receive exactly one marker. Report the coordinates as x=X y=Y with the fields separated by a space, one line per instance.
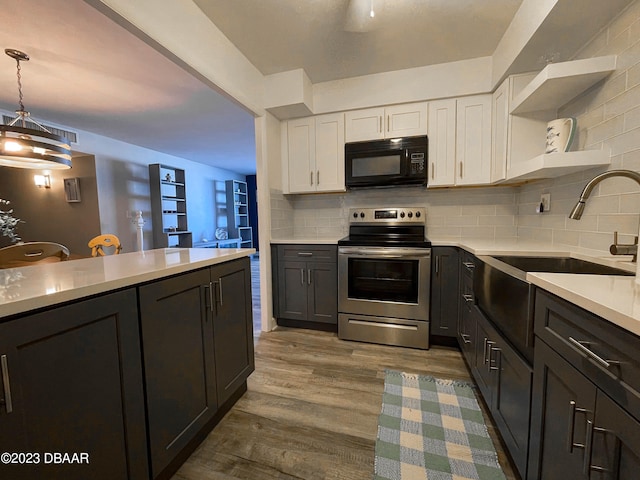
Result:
x=306 y=283
x=563 y=403
x=445 y=288
x=505 y=380
x=72 y=383
x=179 y=364
x=232 y=326
x=584 y=423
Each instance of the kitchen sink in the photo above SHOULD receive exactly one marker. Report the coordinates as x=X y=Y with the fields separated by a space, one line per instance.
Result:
x=503 y=294
x=560 y=265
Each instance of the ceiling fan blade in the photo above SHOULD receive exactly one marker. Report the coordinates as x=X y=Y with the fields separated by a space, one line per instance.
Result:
x=359 y=19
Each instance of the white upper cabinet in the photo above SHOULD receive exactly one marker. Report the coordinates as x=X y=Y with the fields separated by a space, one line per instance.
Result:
x=460 y=141
x=314 y=160
x=394 y=121
x=301 y=150
x=473 y=140
x=528 y=133
x=442 y=143
x=330 y=153
x=364 y=124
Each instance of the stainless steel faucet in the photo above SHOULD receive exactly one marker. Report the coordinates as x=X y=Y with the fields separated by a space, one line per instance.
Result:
x=576 y=213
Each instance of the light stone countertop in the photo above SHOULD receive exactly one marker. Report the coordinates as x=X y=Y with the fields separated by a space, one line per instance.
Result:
x=37 y=286
x=306 y=241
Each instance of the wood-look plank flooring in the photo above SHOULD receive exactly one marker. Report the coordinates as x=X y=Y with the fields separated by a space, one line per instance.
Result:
x=311 y=409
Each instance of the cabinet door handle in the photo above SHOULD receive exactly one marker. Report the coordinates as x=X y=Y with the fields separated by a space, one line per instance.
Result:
x=582 y=346
x=588 y=451
x=465 y=338
x=302 y=276
x=437 y=264
x=469 y=266
x=388 y=123
x=460 y=169
x=8 y=405
x=485 y=344
x=317 y=177
x=468 y=298
x=305 y=254
x=210 y=296
x=380 y=130
x=588 y=448
x=572 y=422
x=433 y=171
x=309 y=276
x=491 y=360
x=220 y=289
x=311 y=178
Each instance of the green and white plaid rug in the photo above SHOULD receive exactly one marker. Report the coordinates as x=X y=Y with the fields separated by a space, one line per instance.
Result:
x=432 y=429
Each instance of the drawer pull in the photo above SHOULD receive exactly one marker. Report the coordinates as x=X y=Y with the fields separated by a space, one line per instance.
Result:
x=465 y=338
x=468 y=298
x=470 y=266
x=305 y=254
x=582 y=346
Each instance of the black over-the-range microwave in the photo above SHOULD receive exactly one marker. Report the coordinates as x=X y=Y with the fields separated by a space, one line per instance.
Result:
x=386 y=163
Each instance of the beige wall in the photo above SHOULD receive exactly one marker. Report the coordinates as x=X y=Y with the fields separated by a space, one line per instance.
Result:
x=46 y=214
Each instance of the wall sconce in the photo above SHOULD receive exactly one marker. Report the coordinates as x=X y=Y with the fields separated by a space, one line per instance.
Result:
x=42 y=181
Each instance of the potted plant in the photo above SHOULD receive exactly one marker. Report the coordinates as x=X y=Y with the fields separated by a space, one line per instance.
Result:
x=8 y=222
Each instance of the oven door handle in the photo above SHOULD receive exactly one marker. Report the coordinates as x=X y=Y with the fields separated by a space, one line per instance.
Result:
x=405 y=253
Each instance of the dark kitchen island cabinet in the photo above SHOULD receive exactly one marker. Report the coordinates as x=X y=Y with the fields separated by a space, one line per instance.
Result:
x=586 y=398
x=125 y=368
x=74 y=379
x=197 y=339
x=306 y=285
x=445 y=288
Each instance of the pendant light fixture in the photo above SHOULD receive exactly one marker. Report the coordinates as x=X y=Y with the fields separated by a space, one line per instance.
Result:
x=24 y=147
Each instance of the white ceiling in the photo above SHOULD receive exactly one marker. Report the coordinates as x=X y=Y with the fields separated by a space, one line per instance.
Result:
x=88 y=73
x=281 y=35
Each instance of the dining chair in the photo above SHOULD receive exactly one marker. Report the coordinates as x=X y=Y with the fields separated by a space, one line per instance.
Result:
x=15 y=255
x=97 y=244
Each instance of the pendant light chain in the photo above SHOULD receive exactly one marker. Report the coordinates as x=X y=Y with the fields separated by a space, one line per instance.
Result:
x=20 y=95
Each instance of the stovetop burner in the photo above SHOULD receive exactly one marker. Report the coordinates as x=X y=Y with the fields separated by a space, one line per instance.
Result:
x=387 y=227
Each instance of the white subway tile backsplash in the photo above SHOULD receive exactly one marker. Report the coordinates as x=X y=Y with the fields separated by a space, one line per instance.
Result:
x=622 y=222
x=632 y=118
x=566 y=237
x=630 y=203
x=605 y=130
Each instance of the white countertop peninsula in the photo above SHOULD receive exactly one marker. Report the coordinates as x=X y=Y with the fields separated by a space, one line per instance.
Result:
x=306 y=241
x=37 y=286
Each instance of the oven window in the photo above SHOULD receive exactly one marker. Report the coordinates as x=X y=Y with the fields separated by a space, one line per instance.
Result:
x=383 y=280
x=374 y=166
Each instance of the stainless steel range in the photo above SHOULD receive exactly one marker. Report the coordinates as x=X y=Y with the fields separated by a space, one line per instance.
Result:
x=384 y=273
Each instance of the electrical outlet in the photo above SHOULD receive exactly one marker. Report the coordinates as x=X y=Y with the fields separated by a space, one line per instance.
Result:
x=545 y=202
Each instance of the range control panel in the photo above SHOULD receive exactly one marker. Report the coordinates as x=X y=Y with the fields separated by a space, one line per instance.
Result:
x=388 y=215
